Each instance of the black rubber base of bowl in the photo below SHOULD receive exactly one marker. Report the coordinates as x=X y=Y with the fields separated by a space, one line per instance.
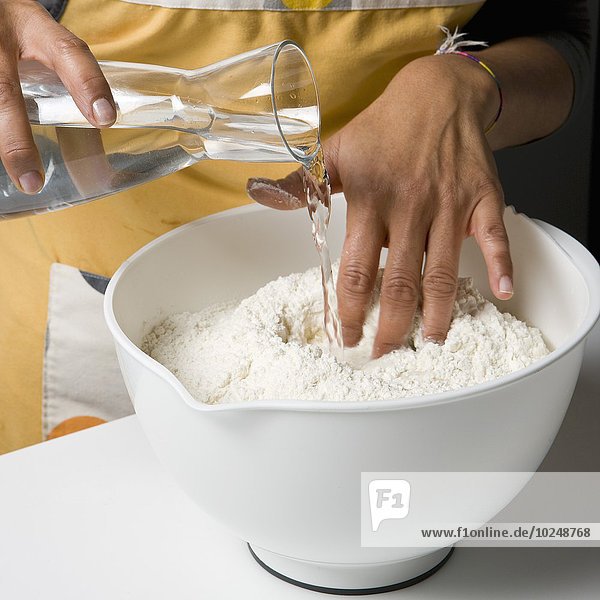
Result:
x=354 y=592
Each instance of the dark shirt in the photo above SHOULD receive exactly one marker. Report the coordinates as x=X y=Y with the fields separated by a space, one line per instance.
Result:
x=565 y=24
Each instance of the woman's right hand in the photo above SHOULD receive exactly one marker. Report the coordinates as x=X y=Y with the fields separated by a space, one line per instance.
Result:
x=28 y=32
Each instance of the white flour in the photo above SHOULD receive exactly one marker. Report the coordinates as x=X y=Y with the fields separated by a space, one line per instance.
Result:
x=271 y=346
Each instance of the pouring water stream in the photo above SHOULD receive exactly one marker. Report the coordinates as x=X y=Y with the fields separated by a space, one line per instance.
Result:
x=318 y=200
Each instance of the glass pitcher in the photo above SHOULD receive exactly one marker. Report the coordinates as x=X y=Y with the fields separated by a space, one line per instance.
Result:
x=260 y=106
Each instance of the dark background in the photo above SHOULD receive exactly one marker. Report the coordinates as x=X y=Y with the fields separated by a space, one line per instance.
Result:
x=557 y=179
x=593 y=239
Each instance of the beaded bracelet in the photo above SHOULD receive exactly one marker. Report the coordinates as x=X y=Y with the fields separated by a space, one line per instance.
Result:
x=451 y=45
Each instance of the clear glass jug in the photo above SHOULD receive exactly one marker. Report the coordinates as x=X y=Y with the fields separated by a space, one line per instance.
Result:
x=260 y=106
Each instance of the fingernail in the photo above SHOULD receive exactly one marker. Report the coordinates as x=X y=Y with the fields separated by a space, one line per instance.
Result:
x=434 y=340
x=505 y=285
x=31 y=182
x=104 y=113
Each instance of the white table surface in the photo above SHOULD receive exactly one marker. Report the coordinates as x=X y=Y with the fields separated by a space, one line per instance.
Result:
x=93 y=516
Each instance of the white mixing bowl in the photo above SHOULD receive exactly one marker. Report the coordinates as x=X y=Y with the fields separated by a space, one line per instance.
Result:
x=285 y=475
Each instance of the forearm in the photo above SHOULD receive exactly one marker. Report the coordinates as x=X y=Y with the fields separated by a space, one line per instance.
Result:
x=537 y=89
x=513 y=34
x=536 y=82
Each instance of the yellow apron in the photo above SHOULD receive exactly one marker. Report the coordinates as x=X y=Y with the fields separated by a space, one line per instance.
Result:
x=56 y=382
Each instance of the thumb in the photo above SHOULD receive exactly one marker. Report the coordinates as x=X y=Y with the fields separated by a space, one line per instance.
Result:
x=284 y=194
x=288 y=193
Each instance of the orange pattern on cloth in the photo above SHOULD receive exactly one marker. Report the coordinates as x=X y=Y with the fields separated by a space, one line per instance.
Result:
x=74 y=424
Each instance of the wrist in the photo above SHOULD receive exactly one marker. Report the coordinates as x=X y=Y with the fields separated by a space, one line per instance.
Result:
x=458 y=82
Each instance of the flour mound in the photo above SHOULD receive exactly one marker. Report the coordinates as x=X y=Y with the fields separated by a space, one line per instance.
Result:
x=272 y=346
